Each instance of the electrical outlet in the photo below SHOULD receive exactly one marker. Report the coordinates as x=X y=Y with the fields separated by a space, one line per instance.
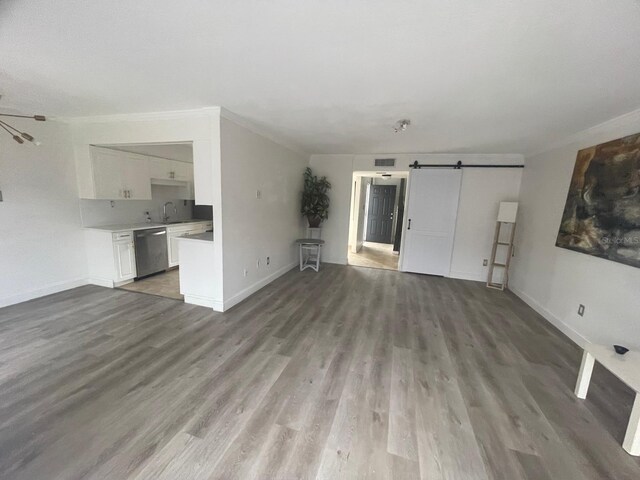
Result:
x=258 y=263
x=268 y=261
x=485 y=262
x=258 y=194
x=245 y=272
x=581 y=310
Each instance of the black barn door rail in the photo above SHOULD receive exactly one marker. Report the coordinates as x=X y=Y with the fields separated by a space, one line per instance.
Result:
x=459 y=165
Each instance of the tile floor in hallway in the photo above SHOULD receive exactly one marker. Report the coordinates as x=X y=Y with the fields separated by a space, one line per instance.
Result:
x=374 y=255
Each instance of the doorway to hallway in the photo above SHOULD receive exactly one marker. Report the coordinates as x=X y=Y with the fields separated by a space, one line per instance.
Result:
x=375 y=255
x=375 y=225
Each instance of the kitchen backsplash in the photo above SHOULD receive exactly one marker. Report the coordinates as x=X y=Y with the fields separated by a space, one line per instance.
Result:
x=100 y=212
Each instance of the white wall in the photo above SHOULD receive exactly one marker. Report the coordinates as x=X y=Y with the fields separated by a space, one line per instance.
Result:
x=356 y=223
x=40 y=236
x=256 y=228
x=335 y=230
x=554 y=280
x=360 y=226
x=481 y=192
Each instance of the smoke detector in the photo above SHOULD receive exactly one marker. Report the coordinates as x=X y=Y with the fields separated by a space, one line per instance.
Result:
x=401 y=125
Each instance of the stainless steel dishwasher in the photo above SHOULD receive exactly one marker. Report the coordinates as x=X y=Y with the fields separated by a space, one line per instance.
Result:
x=151 y=251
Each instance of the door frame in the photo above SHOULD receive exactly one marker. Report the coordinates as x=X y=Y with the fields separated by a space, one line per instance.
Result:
x=353 y=218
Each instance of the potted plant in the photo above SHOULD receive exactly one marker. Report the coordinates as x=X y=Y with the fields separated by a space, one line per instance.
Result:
x=315 y=200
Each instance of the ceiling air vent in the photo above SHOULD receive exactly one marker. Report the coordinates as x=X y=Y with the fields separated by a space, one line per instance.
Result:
x=385 y=162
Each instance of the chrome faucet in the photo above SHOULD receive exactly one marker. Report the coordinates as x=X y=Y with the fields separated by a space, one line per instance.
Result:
x=165 y=217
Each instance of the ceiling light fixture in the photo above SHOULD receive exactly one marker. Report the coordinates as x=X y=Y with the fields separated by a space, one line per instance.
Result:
x=16 y=134
x=401 y=125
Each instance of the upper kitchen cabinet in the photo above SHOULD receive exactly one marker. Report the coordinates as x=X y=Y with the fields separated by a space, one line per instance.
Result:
x=119 y=175
x=163 y=169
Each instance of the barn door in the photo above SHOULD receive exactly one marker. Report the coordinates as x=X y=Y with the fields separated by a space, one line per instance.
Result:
x=432 y=210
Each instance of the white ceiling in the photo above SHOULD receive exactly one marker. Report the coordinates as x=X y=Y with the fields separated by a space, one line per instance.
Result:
x=331 y=76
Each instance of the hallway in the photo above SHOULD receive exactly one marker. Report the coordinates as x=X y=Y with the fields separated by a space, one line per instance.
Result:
x=374 y=255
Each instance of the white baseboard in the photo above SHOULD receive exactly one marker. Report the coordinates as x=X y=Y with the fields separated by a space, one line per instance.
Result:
x=576 y=337
x=101 y=282
x=335 y=261
x=216 y=305
x=237 y=298
x=42 y=291
x=476 y=277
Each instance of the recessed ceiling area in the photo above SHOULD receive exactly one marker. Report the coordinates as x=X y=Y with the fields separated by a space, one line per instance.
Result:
x=333 y=77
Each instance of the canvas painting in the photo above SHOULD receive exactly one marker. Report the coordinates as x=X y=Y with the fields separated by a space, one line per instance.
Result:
x=602 y=213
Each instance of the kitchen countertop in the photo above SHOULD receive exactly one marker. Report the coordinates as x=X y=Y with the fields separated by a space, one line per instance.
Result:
x=142 y=226
x=199 y=237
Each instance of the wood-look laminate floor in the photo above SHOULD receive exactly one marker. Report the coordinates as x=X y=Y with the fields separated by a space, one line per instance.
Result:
x=348 y=373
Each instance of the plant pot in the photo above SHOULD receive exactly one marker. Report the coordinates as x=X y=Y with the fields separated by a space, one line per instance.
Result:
x=314 y=222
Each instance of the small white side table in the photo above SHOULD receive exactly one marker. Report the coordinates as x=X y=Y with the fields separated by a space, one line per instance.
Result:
x=310 y=253
x=627 y=368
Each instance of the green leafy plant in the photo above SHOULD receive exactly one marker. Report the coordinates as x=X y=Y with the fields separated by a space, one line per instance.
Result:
x=315 y=200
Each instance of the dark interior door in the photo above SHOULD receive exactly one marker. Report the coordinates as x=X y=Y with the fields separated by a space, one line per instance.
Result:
x=382 y=199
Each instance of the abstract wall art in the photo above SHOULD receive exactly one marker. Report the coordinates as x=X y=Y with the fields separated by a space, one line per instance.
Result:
x=602 y=213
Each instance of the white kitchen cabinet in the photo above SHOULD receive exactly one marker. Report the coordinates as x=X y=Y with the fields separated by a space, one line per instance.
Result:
x=182 y=171
x=135 y=177
x=124 y=256
x=111 y=257
x=160 y=168
x=119 y=175
x=107 y=174
x=172 y=245
x=116 y=175
x=173 y=232
x=164 y=169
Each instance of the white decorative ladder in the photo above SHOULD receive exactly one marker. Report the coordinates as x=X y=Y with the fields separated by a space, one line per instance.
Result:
x=506 y=218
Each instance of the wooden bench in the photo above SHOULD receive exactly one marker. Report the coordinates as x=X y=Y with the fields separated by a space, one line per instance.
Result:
x=626 y=368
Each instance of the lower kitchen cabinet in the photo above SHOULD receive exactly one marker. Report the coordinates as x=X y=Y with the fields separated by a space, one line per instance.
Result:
x=175 y=231
x=111 y=257
x=124 y=254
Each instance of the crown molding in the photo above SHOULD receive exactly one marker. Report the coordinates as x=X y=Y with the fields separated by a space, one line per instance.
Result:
x=585 y=136
x=136 y=117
